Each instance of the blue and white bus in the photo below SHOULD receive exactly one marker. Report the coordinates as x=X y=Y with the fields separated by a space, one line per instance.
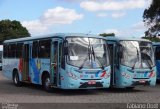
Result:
x=66 y=61
x=156 y=46
x=132 y=62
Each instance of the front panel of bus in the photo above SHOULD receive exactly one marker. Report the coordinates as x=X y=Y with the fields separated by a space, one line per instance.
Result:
x=87 y=64
x=136 y=64
x=157 y=56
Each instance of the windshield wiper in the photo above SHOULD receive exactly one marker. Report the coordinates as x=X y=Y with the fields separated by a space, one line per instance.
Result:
x=89 y=52
x=97 y=58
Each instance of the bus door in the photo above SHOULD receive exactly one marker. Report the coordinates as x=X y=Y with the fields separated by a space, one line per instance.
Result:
x=112 y=60
x=55 y=62
x=25 y=63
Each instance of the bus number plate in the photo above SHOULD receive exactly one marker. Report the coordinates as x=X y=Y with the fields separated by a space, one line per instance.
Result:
x=142 y=81
x=91 y=82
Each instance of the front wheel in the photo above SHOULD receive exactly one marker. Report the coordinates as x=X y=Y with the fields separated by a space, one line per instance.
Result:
x=16 y=80
x=47 y=83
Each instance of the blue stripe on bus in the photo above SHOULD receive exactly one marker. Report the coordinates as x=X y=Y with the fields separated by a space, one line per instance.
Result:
x=97 y=73
x=35 y=71
x=145 y=74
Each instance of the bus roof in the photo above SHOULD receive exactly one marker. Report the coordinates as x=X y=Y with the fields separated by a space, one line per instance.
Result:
x=1 y=47
x=125 y=39
x=62 y=35
x=156 y=43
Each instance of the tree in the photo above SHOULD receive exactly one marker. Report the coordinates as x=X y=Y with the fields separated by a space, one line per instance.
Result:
x=107 y=34
x=151 y=17
x=11 y=30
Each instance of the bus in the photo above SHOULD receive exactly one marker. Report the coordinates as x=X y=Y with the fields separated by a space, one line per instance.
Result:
x=1 y=50
x=61 y=60
x=156 y=46
x=132 y=62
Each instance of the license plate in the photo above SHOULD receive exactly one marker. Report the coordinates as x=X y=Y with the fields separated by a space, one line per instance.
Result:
x=142 y=81
x=91 y=82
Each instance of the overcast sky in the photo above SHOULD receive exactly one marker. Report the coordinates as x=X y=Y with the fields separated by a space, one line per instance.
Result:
x=123 y=17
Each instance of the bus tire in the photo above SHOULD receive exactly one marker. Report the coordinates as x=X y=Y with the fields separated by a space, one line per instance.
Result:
x=16 y=79
x=46 y=83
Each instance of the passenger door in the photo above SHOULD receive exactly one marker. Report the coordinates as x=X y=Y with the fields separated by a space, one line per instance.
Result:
x=55 y=62
x=25 y=62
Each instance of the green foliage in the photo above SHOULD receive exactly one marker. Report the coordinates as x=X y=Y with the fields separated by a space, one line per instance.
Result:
x=151 y=17
x=153 y=39
x=11 y=30
x=150 y=14
x=107 y=34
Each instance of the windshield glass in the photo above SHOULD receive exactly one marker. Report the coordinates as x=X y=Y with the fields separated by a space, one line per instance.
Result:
x=87 y=52
x=137 y=54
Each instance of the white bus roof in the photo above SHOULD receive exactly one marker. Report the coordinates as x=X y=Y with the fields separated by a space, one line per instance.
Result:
x=1 y=47
x=156 y=43
x=62 y=35
x=125 y=39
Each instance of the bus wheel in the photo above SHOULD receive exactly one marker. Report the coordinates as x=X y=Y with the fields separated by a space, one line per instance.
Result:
x=16 y=80
x=47 y=83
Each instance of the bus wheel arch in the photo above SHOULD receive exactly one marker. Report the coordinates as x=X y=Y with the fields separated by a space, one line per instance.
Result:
x=46 y=81
x=15 y=78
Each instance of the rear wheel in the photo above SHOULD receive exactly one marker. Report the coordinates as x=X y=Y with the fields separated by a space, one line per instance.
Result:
x=16 y=79
x=46 y=82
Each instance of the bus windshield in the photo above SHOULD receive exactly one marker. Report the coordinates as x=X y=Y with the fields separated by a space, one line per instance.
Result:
x=87 y=52
x=137 y=54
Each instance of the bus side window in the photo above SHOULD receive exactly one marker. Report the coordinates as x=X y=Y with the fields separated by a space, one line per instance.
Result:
x=5 y=51
x=12 y=51
x=19 y=50
x=35 y=49
x=44 y=49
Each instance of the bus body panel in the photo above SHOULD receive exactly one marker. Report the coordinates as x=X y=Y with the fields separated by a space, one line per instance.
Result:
x=126 y=77
x=70 y=77
x=123 y=76
x=38 y=66
x=8 y=66
x=158 y=69
x=85 y=78
x=157 y=57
